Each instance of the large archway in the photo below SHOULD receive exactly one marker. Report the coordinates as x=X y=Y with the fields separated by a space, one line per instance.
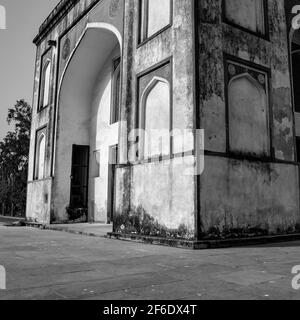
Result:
x=87 y=126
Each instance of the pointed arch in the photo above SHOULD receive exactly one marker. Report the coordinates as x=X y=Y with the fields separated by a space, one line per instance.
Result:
x=89 y=33
x=45 y=89
x=40 y=155
x=248 y=116
x=155 y=81
x=250 y=78
x=83 y=119
x=90 y=26
x=155 y=116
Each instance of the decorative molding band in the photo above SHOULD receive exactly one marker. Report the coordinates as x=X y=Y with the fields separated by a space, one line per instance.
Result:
x=59 y=12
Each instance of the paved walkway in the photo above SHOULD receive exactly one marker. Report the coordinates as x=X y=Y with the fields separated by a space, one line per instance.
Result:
x=9 y=220
x=89 y=229
x=45 y=264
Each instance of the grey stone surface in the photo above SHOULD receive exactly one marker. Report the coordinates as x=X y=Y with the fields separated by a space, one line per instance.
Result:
x=90 y=229
x=46 y=264
x=9 y=220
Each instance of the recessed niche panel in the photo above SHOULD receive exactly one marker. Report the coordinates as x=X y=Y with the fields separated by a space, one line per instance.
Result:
x=248 y=111
x=248 y=14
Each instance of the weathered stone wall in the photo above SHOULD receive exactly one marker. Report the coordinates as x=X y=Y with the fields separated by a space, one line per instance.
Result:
x=243 y=195
x=39 y=200
x=158 y=194
x=237 y=190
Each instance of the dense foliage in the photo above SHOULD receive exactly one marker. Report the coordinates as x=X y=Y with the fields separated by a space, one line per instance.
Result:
x=14 y=151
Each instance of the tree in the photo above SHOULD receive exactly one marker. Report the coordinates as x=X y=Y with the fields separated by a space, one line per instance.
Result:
x=14 y=153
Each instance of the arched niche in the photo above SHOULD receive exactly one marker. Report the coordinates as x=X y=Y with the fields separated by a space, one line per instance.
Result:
x=155 y=118
x=248 y=116
x=45 y=85
x=40 y=157
x=248 y=14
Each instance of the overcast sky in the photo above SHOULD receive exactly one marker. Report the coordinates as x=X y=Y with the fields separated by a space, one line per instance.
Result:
x=17 y=52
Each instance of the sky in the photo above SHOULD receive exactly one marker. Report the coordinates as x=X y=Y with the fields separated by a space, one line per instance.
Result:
x=17 y=52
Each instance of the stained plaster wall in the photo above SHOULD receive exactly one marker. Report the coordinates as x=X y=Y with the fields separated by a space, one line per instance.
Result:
x=160 y=189
x=102 y=136
x=39 y=192
x=238 y=193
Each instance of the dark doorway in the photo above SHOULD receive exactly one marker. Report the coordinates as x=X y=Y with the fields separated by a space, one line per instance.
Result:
x=79 y=177
x=296 y=79
x=113 y=160
x=295 y=70
x=298 y=148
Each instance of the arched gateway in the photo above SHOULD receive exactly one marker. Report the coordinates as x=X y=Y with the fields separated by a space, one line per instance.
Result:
x=87 y=126
x=76 y=109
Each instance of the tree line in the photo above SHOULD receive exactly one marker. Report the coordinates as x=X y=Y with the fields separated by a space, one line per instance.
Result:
x=14 y=156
